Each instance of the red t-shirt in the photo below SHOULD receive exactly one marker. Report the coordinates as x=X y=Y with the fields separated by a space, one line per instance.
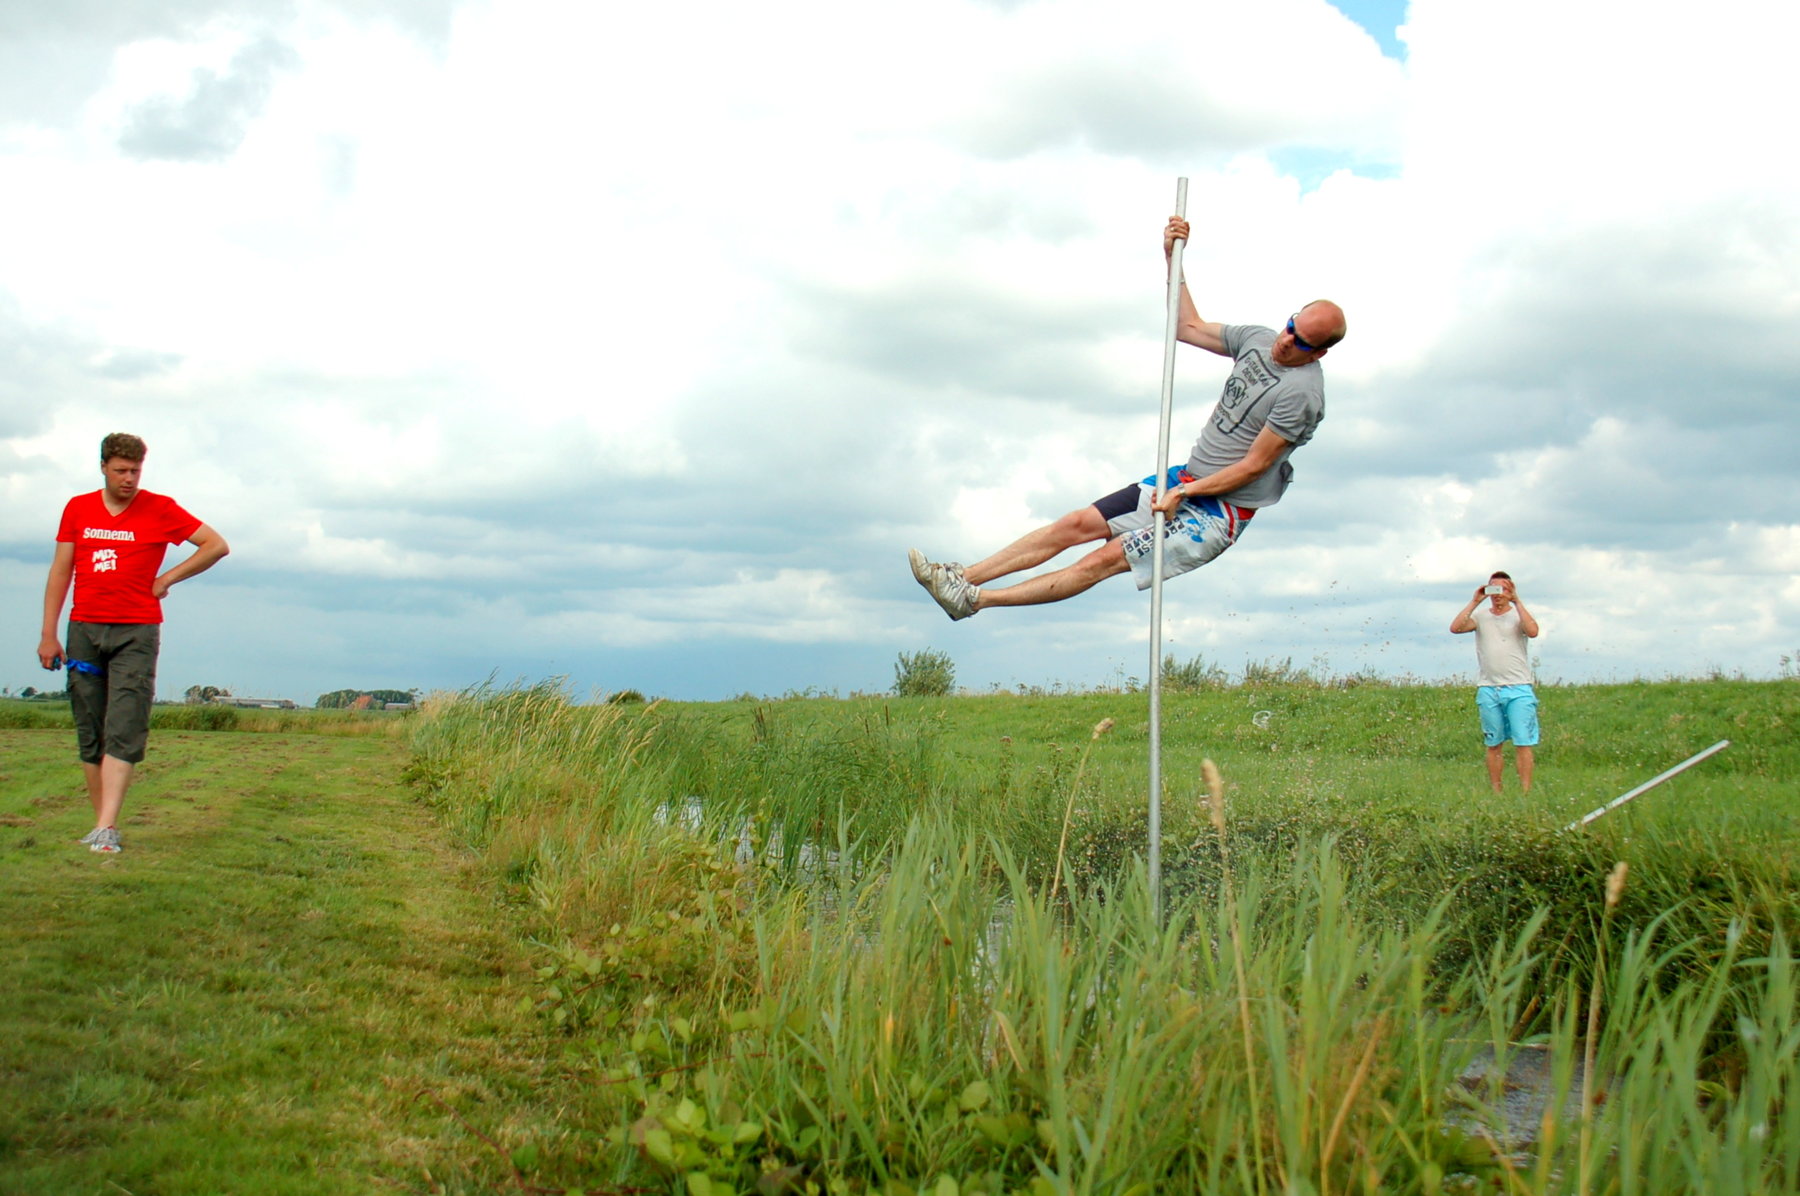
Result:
x=118 y=556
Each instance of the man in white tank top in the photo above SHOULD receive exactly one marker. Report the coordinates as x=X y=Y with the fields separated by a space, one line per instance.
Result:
x=1504 y=695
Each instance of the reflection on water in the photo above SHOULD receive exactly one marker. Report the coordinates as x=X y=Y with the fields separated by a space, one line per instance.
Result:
x=1511 y=1100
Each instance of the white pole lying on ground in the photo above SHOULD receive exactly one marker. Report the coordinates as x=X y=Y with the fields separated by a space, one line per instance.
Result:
x=1156 y=558
x=1650 y=784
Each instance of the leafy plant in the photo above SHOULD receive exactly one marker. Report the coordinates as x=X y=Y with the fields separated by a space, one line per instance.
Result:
x=1276 y=672
x=1192 y=675
x=924 y=674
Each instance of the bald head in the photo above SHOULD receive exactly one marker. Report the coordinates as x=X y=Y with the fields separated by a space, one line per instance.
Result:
x=1321 y=323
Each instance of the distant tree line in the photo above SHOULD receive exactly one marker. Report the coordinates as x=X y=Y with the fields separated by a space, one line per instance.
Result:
x=343 y=699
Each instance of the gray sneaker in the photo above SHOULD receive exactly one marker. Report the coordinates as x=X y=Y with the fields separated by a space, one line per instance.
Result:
x=924 y=571
x=106 y=840
x=945 y=583
x=88 y=839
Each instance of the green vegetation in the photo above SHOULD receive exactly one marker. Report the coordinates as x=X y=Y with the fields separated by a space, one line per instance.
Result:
x=924 y=674
x=17 y=714
x=286 y=983
x=339 y=699
x=1192 y=675
x=33 y=694
x=906 y=945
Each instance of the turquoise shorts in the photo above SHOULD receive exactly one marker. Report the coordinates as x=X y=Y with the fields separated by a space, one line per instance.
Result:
x=1508 y=712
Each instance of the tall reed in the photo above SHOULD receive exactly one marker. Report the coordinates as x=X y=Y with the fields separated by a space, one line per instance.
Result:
x=888 y=996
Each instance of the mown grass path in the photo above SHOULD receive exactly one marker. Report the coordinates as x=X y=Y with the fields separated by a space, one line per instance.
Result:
x=285 y=983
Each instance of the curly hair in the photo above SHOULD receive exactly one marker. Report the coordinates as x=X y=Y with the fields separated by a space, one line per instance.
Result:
x=122 y=444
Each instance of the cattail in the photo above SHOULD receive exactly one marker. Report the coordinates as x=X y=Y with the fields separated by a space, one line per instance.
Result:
x=1615 y=884
x=1215 y=793
x=1062 y=842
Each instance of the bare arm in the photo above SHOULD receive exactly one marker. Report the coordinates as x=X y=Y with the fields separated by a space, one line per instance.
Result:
x=1265 y=450
x=56 y=592
x=1465 y=621
x=209 y=549
x=1190 y=329
x=1527 y=624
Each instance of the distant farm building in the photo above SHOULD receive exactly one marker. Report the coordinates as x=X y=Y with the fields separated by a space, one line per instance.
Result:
x=255 y=703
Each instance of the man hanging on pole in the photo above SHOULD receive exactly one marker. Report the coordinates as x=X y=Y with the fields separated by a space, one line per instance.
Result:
x=1273 y=402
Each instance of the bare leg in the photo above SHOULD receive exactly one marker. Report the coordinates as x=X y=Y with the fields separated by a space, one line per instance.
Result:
x=1496 y=762
x=115 y=779
x=91 y=773
x=1034 y=548
x=1098 y=565
x=1525 y=760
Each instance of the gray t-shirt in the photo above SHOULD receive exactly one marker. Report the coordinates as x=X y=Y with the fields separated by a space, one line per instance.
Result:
x=1259 y=393
x=1502 y=654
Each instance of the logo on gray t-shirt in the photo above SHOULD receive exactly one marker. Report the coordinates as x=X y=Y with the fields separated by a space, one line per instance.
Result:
x=1251 y=379
x=1288 y=401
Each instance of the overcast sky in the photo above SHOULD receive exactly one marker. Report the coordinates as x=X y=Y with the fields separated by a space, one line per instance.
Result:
x=637 y=343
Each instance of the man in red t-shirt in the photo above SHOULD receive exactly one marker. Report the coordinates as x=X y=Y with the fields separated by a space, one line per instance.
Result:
x=110 y=546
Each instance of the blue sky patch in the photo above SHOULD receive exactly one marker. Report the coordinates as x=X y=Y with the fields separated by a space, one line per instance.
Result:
x=1381 y=18
x=1312 y=165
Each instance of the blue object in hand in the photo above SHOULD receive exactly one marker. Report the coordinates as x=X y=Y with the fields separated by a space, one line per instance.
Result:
x=82 y=666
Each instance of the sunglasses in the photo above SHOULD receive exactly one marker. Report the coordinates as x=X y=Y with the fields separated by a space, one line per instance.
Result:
x=1298 y=343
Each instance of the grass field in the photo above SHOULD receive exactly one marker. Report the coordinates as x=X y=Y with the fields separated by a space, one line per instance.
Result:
x=287 y=982
x=907 y=946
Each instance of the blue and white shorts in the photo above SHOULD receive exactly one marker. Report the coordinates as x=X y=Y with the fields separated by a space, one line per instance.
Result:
x=1200 y=529
x=1508 y=712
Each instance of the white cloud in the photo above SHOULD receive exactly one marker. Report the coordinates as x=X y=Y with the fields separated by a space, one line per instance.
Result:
x=491 y=313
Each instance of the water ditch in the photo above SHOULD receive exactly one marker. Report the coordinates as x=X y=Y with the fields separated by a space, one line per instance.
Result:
x=1509 y=1099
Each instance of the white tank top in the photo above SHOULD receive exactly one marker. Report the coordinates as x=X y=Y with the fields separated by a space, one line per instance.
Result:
x=1502 y=655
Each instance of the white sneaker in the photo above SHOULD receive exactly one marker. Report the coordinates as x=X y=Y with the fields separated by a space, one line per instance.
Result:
x=924 y=571
x=945 y=583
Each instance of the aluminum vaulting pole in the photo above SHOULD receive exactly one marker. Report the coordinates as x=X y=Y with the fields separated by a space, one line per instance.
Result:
x=1160 y=473
x=1648 y=785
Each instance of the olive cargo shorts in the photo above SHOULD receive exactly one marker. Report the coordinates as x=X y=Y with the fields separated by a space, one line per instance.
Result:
x=112 y=707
